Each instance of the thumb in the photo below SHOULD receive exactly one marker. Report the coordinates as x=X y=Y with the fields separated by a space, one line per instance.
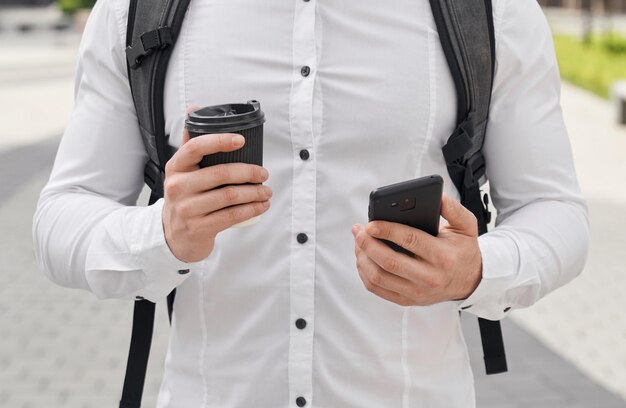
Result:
x=458 y=217
x=189 y=109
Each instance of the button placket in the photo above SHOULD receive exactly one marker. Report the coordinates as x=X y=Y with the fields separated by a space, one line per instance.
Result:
x=302 y=262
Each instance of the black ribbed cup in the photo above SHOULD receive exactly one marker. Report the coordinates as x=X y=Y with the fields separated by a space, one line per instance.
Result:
x=245 y=119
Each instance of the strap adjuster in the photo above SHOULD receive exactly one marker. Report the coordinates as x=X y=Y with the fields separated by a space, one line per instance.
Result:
x=154 y=177
x=460 y=142
x=474 y=170
x=147 y=44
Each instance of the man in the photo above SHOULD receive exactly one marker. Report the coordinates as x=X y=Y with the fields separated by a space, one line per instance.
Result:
x=307 y=308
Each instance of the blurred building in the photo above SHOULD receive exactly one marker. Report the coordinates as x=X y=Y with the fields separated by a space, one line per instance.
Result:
x=25 y=2
x=598 y=5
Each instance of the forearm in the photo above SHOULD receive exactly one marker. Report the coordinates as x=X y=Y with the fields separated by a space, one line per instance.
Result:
x=115 y=251
x=539 y=248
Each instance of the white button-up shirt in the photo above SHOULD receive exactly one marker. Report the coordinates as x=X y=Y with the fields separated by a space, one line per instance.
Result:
x=376 y=108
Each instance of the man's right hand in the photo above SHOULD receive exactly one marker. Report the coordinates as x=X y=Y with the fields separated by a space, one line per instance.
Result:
x=195 y=210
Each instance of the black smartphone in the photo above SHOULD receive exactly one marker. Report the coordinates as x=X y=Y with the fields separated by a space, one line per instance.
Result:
x=416 y=203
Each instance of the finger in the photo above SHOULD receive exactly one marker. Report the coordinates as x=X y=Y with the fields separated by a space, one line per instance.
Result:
x=375 y=276
x=412 y=239
x=459 y=218
x=190 y=154
x=386 y=294
x=391 y=261
x=215 y=200
x=208 y=178
x=227 y=217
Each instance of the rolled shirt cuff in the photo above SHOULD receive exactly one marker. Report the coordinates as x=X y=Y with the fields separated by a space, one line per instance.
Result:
x=129 y=257
x=499 y=269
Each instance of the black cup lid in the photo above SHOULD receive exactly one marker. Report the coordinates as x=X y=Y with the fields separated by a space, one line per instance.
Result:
x=226 y=118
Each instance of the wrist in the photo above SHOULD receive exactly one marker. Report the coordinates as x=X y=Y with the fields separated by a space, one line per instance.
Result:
x=471 y=281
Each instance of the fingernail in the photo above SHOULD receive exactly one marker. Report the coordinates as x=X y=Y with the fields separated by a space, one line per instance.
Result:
x=238 y=140
x=355 y=230
x=264 y=173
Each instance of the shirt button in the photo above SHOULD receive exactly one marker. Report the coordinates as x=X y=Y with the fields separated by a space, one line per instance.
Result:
x=301 y=324
x=305 y=71
x=302 y=238
x=300 y=401
x=304 y=154
x=183 y=271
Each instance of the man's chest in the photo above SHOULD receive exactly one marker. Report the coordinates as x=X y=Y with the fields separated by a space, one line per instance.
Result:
x=329 y=75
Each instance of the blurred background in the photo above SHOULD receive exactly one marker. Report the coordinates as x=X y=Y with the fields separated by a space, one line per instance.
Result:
x=64 y=348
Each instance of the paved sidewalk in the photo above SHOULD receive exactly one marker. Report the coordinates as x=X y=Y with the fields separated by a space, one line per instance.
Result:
x=585 y=321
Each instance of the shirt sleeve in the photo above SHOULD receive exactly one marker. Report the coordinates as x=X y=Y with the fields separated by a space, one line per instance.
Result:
x=540 y=241
x=88 y=232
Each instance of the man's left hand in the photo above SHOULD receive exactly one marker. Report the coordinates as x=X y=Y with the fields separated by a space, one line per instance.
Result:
x=445 y=267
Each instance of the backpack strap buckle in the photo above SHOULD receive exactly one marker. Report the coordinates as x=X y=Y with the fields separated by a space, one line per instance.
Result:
x=475 y=170
x=147 y=44
x=459 y=143
x=154 y=177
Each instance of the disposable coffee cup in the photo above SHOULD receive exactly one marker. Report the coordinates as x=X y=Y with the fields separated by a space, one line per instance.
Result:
x=245 y=119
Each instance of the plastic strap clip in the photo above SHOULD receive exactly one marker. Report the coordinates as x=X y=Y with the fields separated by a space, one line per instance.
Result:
x=147 y=44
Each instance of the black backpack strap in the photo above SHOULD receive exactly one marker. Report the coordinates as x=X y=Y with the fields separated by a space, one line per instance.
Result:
x=152 y=31
x=467 y=36
x=153 y=27
x=141 y=340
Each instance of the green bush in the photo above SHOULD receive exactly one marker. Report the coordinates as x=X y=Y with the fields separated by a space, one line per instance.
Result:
x=71 y=6
x=613 y=43
x=594 y=66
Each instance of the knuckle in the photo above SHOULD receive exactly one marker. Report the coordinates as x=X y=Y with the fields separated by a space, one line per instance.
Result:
x=385 y=230
x=171 y=187
x=230 y=194
x=169 y=167
x=377 y=279
x=361 y=241
x=409 y=240
x=261 y=192
x=390 y=264
x=258 y=208
x=256 y=173
x=220 y=172
x=369 y=285
x=224 y=140
x=192 y=147
x=234 y=214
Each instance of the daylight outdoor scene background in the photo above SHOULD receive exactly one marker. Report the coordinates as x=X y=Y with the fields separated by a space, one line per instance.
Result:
x=64 y=348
